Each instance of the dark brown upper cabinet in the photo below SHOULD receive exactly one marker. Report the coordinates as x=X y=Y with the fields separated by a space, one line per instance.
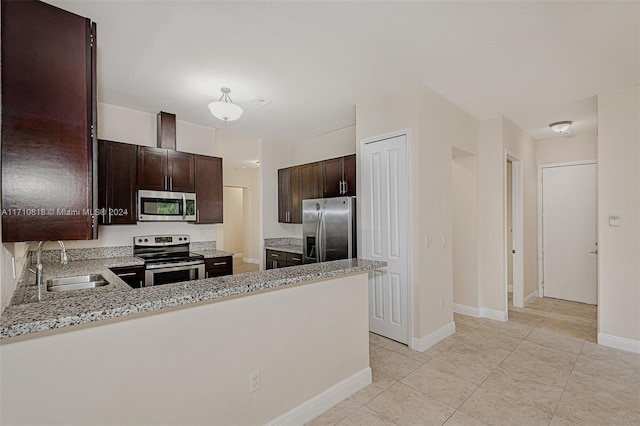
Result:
x=117 y=182
x=165 y=170
x=311 y=181
x=339 y=176
x=289 y=201
x=48 y=123
x=208 y=189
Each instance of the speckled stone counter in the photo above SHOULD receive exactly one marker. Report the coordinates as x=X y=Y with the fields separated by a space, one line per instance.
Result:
x=26 y=289
x=212 y=254
x=90 y=306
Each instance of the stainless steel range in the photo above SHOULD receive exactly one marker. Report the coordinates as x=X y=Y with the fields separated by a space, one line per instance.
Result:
x=167 y=259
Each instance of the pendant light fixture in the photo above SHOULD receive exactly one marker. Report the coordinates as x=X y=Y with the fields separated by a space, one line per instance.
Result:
x=561 y=127
x=224 y=109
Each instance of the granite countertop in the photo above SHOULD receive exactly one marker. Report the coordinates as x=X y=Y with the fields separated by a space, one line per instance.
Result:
x=289 y=248
x=93 y=305
x=211 y=254
x=26 y=289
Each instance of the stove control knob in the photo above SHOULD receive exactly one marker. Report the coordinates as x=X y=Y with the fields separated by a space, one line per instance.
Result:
x=145 y=240
x=139 y=240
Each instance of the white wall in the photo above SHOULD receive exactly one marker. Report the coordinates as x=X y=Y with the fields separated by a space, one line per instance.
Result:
x=464 y=173
x=233 y=225
x=619 y=194
x=338 y=143
x=567 y=149
x=190 y=366
x=253 y=240
x=524 y=147
x=491 y=265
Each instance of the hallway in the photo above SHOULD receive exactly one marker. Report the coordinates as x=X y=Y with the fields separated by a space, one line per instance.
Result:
x=541 y=367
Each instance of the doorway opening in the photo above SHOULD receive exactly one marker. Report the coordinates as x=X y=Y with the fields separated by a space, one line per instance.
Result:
x=234 y=235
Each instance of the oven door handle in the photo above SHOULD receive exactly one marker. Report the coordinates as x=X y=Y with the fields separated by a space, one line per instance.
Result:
x=169 y=266
x=184 y=205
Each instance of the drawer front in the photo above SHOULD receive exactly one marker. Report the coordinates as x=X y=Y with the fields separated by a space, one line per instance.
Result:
x=276 y=255
x=132 y=275
x=294 y=259
x=219 y=266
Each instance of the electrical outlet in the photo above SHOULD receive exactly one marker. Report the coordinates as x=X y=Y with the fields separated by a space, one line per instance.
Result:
x=254 y=381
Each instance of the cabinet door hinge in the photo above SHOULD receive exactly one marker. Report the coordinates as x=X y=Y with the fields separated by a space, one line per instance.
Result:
x=92 y=131
x=91 y=39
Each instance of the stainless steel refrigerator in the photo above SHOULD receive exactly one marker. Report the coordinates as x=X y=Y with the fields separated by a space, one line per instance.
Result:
x=328 y=229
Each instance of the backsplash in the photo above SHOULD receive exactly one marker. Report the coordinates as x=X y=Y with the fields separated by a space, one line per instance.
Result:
x=202 y=245
x=85 y=253
x=273 y=242
x=107 y=252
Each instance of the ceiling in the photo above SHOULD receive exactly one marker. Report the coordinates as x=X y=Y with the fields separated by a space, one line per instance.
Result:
x=533 y=62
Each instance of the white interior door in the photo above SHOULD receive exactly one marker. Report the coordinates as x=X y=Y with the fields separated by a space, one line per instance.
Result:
x=384 y=204
x=569 y=232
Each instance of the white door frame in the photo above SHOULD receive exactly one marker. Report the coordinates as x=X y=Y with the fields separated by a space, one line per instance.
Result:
x=540 y=240
x=517 y=209
x=409 y=241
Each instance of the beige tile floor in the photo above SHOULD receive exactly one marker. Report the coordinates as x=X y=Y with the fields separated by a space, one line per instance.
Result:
x=240 y=267
x=540 y=367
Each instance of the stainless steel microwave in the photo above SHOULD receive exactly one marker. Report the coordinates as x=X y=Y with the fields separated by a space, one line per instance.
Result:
x=166 y=206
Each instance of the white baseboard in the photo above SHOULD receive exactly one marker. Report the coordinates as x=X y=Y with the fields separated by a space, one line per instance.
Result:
x=493 y=314
x=469 y=311
x=236 y=255
x=250 y=260
x=479 y=312
x=421 y=344
x=317 y=405
x=510 y=288
x=529 y=298
x=616 y=342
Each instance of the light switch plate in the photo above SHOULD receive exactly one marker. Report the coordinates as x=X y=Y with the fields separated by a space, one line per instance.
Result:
x=614 y=221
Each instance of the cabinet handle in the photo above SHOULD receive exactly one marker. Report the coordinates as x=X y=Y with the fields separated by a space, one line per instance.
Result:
x=346 y=188
x=170 y=183
x=166 y=183
x=275 y=255
x=129 y=274
x=197 y=215
x=206 y=274
x=219 y=263
x=295 y=258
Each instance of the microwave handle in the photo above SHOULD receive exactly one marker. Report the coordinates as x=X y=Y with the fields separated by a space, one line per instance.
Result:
x=184 y=206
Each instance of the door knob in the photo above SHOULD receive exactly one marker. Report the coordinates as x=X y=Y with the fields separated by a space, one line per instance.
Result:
x=594 y=252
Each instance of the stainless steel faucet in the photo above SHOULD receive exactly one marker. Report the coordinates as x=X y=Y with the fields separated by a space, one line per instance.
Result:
x=63 y=254
x=63 y=261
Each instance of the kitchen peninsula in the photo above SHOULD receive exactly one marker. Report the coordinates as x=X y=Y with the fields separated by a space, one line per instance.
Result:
x=182 y=353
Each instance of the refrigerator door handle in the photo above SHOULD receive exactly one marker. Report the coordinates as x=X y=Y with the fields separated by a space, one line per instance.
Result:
x=319 y=241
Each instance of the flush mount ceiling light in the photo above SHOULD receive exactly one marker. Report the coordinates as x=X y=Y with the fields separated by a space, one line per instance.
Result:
x=561 y=127
x=224 y=109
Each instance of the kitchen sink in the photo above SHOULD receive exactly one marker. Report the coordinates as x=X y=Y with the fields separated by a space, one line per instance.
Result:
x=76 y=283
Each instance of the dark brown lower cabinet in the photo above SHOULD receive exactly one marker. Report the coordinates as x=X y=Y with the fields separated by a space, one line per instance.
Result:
x=218 y=266
x=132 y=275
x=280 y=259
